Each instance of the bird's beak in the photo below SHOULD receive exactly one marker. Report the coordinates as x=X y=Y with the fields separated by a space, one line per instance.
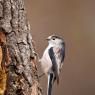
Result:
x=48 y=39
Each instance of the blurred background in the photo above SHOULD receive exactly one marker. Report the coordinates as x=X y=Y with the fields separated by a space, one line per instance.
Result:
x=75 y=21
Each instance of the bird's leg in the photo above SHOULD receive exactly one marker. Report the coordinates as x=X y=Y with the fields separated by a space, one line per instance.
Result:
x=41 y=75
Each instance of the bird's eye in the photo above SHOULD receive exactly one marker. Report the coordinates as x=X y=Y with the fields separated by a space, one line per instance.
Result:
x=53 y=38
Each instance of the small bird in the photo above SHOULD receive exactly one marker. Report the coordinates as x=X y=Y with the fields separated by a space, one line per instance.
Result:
x=52 y=60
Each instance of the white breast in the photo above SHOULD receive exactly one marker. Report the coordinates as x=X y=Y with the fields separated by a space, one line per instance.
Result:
x=46 y=61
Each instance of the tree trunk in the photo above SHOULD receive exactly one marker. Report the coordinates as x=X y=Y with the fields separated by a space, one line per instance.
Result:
x=22 y=78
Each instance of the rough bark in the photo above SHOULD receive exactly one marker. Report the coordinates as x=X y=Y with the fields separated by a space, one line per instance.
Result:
x=22 y=78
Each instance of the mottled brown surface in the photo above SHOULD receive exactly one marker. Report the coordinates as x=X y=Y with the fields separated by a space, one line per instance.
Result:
x=75 y=20
x=21 y=73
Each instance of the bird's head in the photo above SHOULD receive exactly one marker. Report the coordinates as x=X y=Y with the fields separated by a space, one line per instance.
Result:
x=54 y=40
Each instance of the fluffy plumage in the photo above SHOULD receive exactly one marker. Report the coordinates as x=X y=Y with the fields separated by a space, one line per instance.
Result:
x=52 y=60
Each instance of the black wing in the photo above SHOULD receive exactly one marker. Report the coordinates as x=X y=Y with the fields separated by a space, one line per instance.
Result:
x=62 y=53
x=54 y=64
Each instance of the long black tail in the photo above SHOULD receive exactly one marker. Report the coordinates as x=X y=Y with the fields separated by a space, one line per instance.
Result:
x=50 y=83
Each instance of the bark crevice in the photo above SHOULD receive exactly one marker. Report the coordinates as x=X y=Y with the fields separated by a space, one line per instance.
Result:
x=22 y=71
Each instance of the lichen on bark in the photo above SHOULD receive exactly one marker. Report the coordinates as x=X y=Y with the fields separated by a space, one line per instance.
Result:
x=22 y=78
